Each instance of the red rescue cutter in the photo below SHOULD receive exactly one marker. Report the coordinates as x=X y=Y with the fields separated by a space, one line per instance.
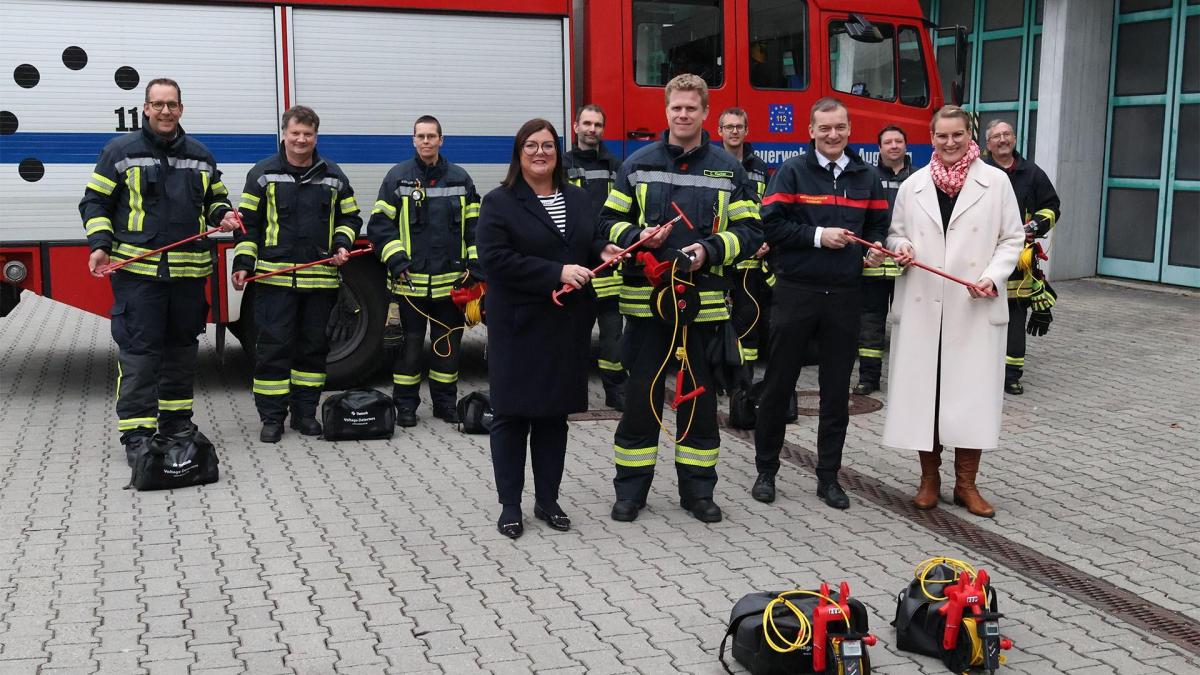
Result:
x=359 y=251
x=927 y=268
x=113 y=267
x=567 y=288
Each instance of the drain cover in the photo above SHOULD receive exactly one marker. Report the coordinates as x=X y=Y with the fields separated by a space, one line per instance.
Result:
x=808 y=402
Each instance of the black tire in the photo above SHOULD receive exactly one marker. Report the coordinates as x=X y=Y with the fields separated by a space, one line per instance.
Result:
x=356 y=325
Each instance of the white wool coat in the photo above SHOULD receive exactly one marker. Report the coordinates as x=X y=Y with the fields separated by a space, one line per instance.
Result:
x=930 y=313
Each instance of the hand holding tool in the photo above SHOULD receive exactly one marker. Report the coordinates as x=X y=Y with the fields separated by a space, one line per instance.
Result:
x=991 y=293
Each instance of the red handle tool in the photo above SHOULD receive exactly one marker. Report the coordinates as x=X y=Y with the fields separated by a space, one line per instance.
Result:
x=359 y=251
x=567 y=288
x=927 y=268
x=113 y=267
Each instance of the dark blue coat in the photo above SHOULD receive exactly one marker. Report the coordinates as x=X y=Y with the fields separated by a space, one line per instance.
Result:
x=538 y=353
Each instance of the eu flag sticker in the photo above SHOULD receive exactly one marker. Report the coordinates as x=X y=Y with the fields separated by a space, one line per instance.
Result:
x=779 y=118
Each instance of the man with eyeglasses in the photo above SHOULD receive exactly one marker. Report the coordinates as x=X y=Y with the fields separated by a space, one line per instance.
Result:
x=682 y=170
x=1027 y=286
x=592 y=167
x=298 y=207
x=751 y=283
x=153 y=187
x=423 y=229
x=813 y=202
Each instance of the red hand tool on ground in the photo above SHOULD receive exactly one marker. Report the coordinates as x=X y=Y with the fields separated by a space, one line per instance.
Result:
x=567 y=288
x=355 y=252
x=927 y=268
x=113 y=267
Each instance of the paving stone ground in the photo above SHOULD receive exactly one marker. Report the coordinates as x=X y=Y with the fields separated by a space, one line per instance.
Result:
x=370 y=557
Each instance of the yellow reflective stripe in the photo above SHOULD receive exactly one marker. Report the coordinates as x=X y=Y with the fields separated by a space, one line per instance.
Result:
x=332 y=218
x=286 y=281
x=444 y=378
x=609 y=365
x=868 y=353
x=749 y=264
x=246 y=248
x=743 y=209
x=1014 y=361
x=346 y=230
x=749 y=354
x=405 y=380
x=303 y=379
x=272 y=235
x=219 y=190
x=723 y=213
x=473 y=210
x=696 y=456
x=618 y=230
x=472 y=252
x=348 y=205
x=636 y=293
x=204 y=178
x=133 y=178
x=249 y=202
x=1048 y=214
x=390 y=249
x=271 y=387
x=194 y=257
x=102 y=184
x=384 y=208
x=712 y=298
x=712 y=314
x=642 y=190
x=639 y=311
x=404 y=234
x=462 y=226
x=635 y=456
x=98 y=224
x=618 y=201
x=137 y=423
x=732 y=245
x=176 y=404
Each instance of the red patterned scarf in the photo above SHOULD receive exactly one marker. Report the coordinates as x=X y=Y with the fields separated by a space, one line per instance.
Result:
x=950 y=179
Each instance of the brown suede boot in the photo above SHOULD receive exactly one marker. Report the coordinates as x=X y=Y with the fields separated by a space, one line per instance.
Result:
x=931 y=479
x=966 y=466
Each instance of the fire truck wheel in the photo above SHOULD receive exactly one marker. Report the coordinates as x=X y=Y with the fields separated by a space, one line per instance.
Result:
x=356 y=324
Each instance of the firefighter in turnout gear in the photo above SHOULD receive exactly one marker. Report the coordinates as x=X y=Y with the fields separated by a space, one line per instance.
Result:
x=298 y=208
x=590 y=166
x=879 y=283
x=151 y=188
x=712 y=190
x=423 y=229
x=1027 y=287
x=750 y=281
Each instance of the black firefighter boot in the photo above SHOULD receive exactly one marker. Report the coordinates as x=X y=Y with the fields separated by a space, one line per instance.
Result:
x=136 y=443
x=614 y=389
x=632 y=485
x=696 y=486
x=304 y=410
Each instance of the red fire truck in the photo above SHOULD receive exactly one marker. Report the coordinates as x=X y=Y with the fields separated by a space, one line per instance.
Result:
x=370 y=67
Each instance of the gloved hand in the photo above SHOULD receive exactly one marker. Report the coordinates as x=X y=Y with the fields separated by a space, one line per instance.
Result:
x=1039 y=322
x=1044 y=299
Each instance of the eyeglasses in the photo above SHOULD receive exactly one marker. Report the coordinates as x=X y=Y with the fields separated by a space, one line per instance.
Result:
x=531 y=147
x=157 y=106
x=426 y=137
x=734 y=127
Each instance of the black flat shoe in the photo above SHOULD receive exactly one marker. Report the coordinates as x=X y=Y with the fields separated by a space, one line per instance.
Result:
x=511 y=530
x=553 y=516
x=511 y=523
x=308 y=426
x=833 y=495
x=703 y=510
x=864 y=388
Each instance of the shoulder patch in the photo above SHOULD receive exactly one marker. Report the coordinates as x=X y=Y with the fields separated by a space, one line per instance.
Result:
x=718 y=174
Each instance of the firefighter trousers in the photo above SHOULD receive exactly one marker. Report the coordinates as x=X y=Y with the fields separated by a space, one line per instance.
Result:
x=608 y=318
x=798 y=314
x=647 y=343
x=749 y=296
x=290 y=350
x=1014 y=355
x=443 y=365
x=877 y=299
x=155 y=324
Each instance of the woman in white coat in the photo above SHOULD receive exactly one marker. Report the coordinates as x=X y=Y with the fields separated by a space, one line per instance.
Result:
x=946 y=377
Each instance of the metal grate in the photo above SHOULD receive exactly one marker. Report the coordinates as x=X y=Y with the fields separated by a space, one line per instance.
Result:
x=1159 y=621
x=595 y=415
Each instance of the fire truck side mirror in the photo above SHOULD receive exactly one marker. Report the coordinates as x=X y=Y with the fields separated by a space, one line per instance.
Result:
x=859 y=28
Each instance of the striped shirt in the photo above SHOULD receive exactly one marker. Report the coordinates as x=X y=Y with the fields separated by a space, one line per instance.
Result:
x=556 y=206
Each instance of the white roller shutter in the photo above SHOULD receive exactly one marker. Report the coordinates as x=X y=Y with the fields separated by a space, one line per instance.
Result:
x=369 y=75
x=223 y=58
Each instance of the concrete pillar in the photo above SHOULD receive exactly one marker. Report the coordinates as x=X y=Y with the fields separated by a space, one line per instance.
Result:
x=1072 y=116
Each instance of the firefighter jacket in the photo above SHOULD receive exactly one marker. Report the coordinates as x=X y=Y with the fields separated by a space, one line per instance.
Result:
x=1039 y=205
x=595 y=171
x=756 y=172
x=147 y=192
x=803 y=196
x=423 y=224
x=295 y=215
x=890 y=181
x=712 y=190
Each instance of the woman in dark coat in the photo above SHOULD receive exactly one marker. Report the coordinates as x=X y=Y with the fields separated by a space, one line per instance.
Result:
x=535 y=233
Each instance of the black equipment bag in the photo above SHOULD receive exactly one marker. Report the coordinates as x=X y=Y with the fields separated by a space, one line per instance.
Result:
x=475 y=413
x=177 y=460
x=920 y=625
x=743 y=407
x=750 y=646
x=358 y=415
